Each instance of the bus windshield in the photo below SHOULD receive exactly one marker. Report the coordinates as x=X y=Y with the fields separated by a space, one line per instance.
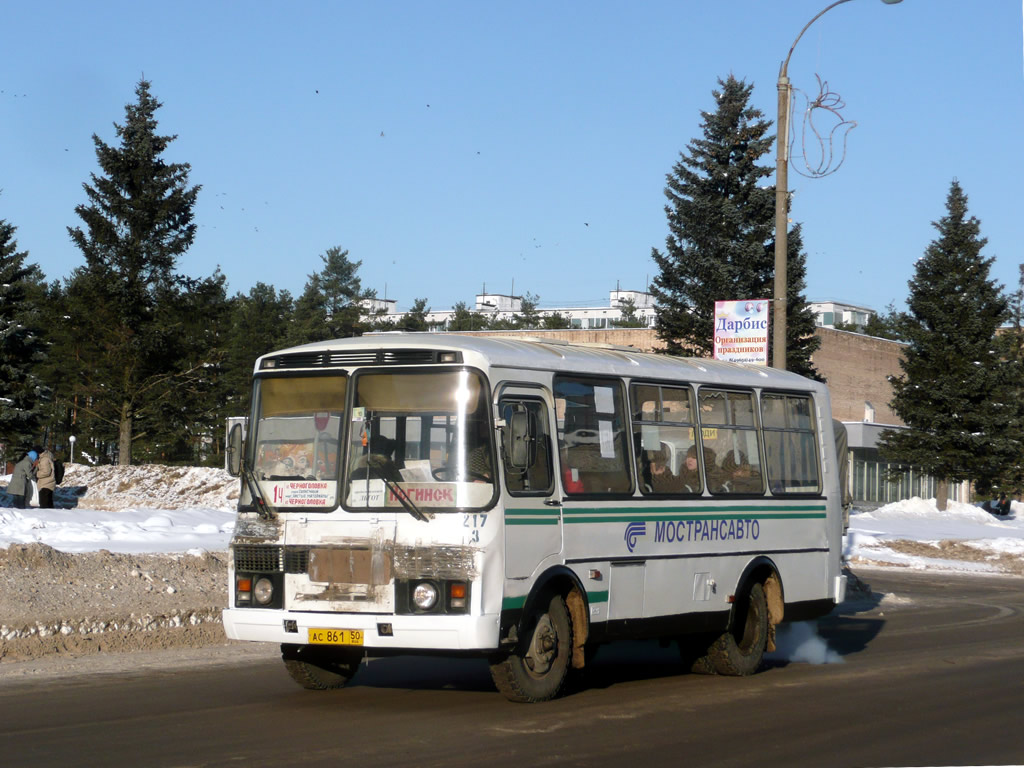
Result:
x=298 y=427
x=426 y=435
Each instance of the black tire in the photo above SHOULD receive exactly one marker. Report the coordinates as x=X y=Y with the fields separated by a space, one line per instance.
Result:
x=537 y=668
x=693 y=652
x=740 y=650
x=319 y=670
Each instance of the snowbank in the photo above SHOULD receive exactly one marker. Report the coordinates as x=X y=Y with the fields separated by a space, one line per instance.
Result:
x=138 y=509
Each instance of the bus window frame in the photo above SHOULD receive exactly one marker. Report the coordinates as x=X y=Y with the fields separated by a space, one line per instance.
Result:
x=256 y=408
x=637 y=424
x=814 y=431
x=485 y=396
x=755 y=428
x=508 y=393
x=619 y=384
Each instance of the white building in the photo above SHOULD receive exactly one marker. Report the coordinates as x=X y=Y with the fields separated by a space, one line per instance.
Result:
x=828 y=313
x=497 y=306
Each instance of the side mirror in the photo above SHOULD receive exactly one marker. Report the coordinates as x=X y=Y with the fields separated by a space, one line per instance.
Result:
x=521 y=440
x=234 y=450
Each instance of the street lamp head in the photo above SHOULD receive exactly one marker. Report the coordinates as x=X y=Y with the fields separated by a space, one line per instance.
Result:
x=892 y=2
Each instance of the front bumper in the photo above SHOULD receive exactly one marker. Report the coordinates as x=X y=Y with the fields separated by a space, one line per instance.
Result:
x=417 y=632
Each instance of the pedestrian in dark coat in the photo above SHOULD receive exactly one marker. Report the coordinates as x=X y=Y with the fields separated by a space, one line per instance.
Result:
x=46 y=479
x=21 y=480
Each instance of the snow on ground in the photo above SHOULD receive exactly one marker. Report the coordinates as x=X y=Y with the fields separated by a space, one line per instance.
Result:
x=154 y=508
x=914 y=533
x=140 y=509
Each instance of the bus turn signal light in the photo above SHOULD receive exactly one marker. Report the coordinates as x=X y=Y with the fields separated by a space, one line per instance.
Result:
x=457 y=594
x=243 y=591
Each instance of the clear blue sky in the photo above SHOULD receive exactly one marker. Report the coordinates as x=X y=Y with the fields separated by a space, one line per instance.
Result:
x=449 y=145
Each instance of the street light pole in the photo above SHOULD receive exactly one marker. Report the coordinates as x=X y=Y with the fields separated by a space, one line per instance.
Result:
x=782 y=197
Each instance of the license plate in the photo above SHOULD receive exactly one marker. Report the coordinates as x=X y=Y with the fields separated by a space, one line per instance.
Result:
x=336 y=636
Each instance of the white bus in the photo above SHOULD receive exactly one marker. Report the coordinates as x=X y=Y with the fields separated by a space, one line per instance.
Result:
x=525 y=501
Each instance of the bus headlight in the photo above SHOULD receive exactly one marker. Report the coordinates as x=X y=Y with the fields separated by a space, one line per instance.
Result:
x=263 y=591
x=424 y=596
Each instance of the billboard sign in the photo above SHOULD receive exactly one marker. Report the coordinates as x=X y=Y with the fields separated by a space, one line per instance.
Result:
x=741 y=331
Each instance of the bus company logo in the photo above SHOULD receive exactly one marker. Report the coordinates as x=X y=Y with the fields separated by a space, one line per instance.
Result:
x=633 y=532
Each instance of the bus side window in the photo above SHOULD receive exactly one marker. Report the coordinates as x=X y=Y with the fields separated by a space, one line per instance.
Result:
x=729 y=429
x=790 y=443
x=592 y=436
x=665 y=439
x=536 y=478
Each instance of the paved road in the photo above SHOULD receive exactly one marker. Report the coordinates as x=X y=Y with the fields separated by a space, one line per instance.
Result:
x=931 y=675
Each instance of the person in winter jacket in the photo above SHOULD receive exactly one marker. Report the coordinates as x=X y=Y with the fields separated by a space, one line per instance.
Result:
x=45 y=479
x=21 y=480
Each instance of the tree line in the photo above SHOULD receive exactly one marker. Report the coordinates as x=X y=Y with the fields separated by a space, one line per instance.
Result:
x=148 y=362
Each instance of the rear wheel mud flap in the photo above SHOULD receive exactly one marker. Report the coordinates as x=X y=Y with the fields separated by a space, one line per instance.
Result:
x=776 y=607
x=580 y=626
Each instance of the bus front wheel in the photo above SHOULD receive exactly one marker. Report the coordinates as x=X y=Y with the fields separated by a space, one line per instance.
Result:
x=316 y=670
x=739 y=651
x=536 y=669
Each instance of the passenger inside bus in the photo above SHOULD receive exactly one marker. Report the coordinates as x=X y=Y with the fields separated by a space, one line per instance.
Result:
x=738 y=475
x=690 y=471
x=661 y=478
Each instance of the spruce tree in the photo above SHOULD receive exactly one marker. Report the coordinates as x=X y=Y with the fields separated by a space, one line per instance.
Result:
x=630 y=317
x=416 y=318
x=951 y=394
x=59 y=370
x=1009 y=477
x=721 y=220
x=137 y=222
x=260 y=323
x=528 y=318
x=188 y=427
x=884 y=325
x=801 y=341
x=556 y=321
x=466 y=319
x=23 y=394
x=330 y=306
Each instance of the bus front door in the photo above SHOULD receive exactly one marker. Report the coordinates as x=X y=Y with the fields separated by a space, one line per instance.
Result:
x=533 y=515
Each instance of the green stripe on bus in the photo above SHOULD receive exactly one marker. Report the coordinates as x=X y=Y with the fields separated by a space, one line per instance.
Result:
x=654 y=514
x=523 y=521
x=689 y=509
x=512 y=603
x=532 y=516
x=649 y=517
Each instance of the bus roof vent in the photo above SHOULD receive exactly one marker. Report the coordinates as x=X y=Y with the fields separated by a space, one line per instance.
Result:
x=339 y=358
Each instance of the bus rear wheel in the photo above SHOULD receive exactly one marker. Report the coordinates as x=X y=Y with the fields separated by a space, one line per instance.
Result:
x=319 y=670
x=536 y=669
x=739 y=651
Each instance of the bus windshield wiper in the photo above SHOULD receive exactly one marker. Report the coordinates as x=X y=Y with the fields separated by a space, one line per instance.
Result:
x=381 y=463
x=263 y=509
